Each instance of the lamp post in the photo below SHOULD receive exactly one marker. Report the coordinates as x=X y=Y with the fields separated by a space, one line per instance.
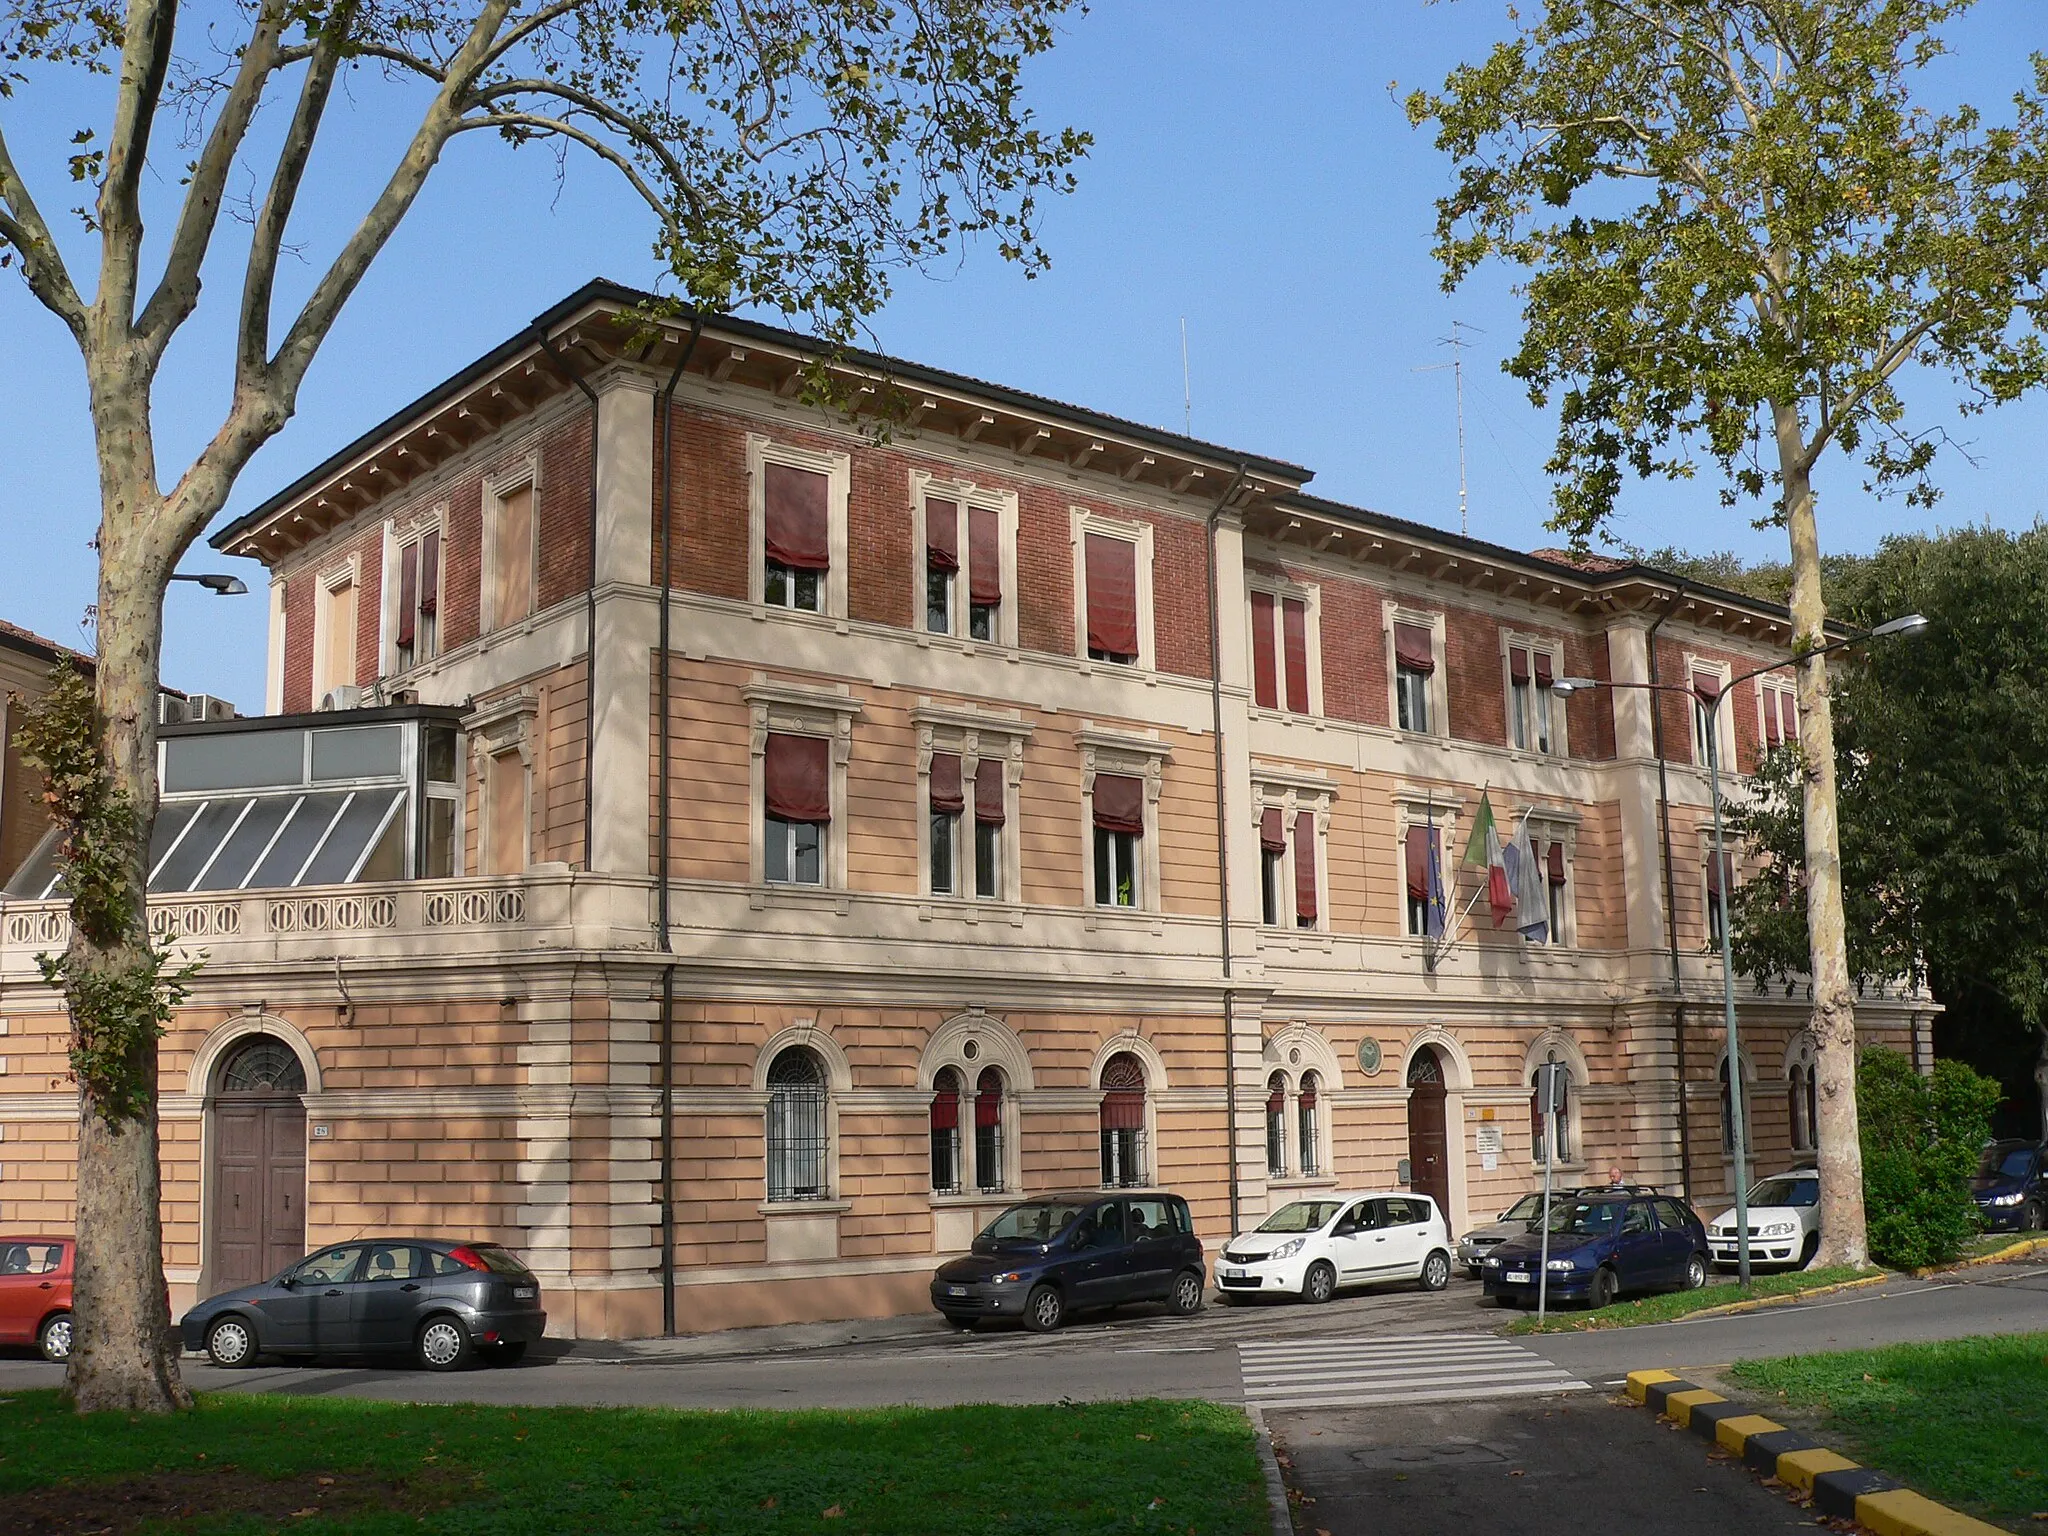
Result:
x=1907 y=624
x=216 y=582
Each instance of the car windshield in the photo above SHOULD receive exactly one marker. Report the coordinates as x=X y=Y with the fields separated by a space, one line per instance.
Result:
x=2006 y=1163
x=1302 y=1216
x=1585 y=1218
x=1528 y=1208
x=1039 y=1222
x=1786 y=1191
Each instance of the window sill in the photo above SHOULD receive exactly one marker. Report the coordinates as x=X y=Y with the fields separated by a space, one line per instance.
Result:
x=971 y=910
x=1122 y=917
x=1281 y=716
x=969 y=1199
x=798 y=898
x=1303 y=1181
x=774 y=1208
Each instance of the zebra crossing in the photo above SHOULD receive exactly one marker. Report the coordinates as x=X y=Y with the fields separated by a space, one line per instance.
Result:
x=1378 y=1370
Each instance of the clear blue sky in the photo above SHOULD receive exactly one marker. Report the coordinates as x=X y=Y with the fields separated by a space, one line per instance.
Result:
x=1252 y=173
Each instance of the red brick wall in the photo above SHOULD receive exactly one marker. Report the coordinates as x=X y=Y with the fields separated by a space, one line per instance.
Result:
x=563 y=567
x=1677 y=708
x=1473 y=684
x=1354 y=651
x=298 y=640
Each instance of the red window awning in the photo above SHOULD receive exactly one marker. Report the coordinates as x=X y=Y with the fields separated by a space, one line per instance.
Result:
x=1272 y=835
x=1554 y=862
x=988 y=791
x=1418 y=862
x=1414 y=648
x=1707 y=685
x=796 y=778
x=945 y=1109
x=430 y=572
x=1544 y=676
x=942 y=535
x=984 y=557
x=1120 y=804
x=946 y=793
x=1265 y=676
x=1294 y=629
x=408 y=592
x=1518 y=664
x=797 y=522
x=1112 y=568
x=1305 y=866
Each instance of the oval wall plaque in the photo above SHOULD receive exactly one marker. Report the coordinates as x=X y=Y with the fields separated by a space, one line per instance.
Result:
x=1368 y=1056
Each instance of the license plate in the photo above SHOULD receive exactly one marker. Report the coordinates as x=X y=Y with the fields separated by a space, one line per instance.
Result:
x=1232 y=1274
x=956 y=1290
x=1517 y=1277
x=522 y=1293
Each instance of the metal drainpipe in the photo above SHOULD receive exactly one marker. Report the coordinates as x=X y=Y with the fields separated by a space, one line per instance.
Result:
x=589 y=604
x=1223 y=855
x=1670 y=903
x=664 y=403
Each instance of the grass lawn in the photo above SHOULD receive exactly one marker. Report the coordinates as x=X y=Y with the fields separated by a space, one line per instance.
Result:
x=330 y=1465
x=1663 y=1306
x=1964 y=1421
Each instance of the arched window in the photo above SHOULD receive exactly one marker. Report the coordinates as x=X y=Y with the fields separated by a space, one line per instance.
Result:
x=988 y=1130
x=1805 y=1107
x=1276 y=1126
x=1123 y=1121
x=796 y=1126
x=1538 y=1130
x=946 y=1132
x=1305 y=1116
x=263 y=1064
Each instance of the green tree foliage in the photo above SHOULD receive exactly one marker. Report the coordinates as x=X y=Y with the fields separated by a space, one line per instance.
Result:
x=1921 y=1138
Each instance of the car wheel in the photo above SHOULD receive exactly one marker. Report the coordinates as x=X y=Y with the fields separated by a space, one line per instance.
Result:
x=230 y=1344
x=1043 y=1309
x=2036 y=1217
x=1319 y=1284
x=1695 y=1272
x=1505 y=1300
x=54 y=1338
x=443 y=1343
x=505 y=1354
x=1436 y=1271
x=1473 y=1272
x=960 y=1324
x=1187 y=1293
x=1606 y=1286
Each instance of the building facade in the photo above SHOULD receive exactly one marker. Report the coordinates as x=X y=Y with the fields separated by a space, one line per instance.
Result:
x=816 y=835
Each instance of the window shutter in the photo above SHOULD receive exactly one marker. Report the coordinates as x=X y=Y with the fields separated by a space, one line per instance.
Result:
x=945 y=1109
x=947 y=798
x=796 y=778
x=1788 y=714
x=988 y=791
x=1418 y=863
x=1773 y=732
x=1265 y=678
x=1294 y=625
x=1414 y=649
x=1272 y=838
x=1305 y=866
x=942 y=535
x=408 y=592
x=1544 y=676
x=1112 y=568
x=988 y=1098
x=1555 y=863
x=430 y=573
x=1120 y=804
x=797 y=522
x=1707 y=686
x=1518 y=664
x=984 y=557
x=1720 y=878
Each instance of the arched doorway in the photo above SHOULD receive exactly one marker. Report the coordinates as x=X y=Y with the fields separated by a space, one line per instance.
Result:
x=1428 y=1143
x=257 y=1138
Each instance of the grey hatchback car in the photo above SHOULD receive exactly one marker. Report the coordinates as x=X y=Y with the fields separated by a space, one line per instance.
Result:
x=445 y=1303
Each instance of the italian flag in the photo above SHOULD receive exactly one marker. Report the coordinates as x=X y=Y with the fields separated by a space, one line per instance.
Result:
x=1483 y=847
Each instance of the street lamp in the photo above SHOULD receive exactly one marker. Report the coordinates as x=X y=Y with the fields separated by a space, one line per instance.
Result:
x=1906 y=624
x=216 y=582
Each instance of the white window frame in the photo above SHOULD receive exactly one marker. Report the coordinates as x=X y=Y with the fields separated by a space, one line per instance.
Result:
x=782 y=710
x=1311 y=596
x=1392 y=613
x=1724 y=714
x=1082 y=522
x=1510 y=641
x=510 y=724
x=1137 y=757
x=1547 y=826
x=348 y=573
x=1292 y=794
x=522 y=475
x=1767 y=689
x=399 y=535
x=965 y=495
x=837 y=468
x=973 y=736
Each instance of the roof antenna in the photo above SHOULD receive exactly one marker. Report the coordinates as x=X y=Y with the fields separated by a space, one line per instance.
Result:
x=1187 y=393
x=1457 y=343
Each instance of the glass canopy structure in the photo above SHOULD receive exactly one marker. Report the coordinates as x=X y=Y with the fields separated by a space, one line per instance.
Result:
x=295 y=800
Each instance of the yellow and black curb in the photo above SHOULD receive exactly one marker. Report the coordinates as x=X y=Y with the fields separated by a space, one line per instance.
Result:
x=1839 y=1487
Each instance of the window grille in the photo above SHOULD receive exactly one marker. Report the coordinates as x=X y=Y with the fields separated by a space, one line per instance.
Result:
x=796 y=1126
x=1123 y=1121
x=946 y=1132
x=1306 y=1108
x=988 y=1130
x=264 y=1065
x=1276 y=1126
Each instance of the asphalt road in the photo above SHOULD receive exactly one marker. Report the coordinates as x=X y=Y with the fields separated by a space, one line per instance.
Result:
x=1135 y=1353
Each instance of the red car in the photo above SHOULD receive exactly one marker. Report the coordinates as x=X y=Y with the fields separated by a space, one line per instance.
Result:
x=35 y=1293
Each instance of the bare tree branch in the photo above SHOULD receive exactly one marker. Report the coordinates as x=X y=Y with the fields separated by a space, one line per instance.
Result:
x=541 y=126
x=604 y=112
x=145 y=61
x=22 y=226
x=519 y=32
x=177 y=292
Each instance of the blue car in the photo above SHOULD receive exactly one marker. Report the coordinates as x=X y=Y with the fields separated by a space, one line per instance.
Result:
x=1045 y=1258
x=2011 y=1186
x=1601 y=1245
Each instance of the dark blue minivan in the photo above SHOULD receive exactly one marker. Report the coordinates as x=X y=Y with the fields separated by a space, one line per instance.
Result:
x=1602 y=1244
x=2011 y=1186
x=1045 y=1258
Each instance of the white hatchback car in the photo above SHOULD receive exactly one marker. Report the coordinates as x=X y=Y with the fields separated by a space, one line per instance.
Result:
x=1784 y=1222
x=1311 y=1247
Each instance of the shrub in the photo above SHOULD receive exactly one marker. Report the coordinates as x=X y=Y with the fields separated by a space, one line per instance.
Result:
x=1921 y=1139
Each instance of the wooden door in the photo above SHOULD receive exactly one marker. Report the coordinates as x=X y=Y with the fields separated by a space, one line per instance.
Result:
x=259 y=1187
x=1428 y=1142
